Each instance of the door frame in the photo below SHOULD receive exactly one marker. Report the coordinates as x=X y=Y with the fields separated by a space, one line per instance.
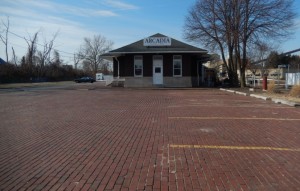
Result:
x=158 y=63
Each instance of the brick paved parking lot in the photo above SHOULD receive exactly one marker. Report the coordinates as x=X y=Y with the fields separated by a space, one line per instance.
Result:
x=134 y=139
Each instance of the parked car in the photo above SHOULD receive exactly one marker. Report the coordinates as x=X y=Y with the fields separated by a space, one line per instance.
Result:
x=85 y=79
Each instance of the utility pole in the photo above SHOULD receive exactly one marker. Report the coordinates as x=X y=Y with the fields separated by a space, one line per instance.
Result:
x=298 y=75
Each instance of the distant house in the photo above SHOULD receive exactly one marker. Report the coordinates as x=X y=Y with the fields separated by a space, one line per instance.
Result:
x=2 y=61
x=158 y=61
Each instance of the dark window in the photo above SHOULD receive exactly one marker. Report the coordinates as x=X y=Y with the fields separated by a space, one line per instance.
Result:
x=138 y=66
x=177 y=65
x=157 y=70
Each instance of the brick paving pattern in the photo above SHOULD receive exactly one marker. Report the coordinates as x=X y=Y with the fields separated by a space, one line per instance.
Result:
x=124 y=139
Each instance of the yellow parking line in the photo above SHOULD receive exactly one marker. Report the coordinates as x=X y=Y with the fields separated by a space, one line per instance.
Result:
x=207 y=105
x=234 y=147
x=236 y=118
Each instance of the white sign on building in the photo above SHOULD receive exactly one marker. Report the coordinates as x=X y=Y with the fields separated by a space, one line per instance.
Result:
x=157 y=41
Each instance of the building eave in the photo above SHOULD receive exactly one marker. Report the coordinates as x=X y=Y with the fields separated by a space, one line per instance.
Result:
x=117 y=54
x=159 y=52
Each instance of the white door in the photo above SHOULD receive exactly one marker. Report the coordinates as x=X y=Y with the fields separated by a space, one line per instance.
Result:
x=157 y=70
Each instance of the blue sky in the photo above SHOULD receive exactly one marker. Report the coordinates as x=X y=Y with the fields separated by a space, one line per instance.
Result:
x=121 y=21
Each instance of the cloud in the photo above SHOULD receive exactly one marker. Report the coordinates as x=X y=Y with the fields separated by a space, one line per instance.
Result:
x=37 y=4
x=85 y=12
x=297 y=22
x=24 y=23
x=72 y=22
x=70 y=34
x=30 y=6
x=104 y=13
x=120 y=5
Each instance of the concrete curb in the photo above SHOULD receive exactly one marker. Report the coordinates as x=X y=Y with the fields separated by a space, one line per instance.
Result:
x=235 y=92
x=242 y=93
x=231 y=91
x=275 y=100
x=260 y=97
x=285 y=102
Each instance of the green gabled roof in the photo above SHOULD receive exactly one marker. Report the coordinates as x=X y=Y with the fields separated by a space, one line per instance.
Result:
x=138 y=48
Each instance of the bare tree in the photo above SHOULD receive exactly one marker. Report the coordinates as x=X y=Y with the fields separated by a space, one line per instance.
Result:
x=4 y=39
x=31 y=53
x=105 y=68
x=76 y=60
x=56 y=59
x=44 y=55
x=233 y=25
x=14 y=56
x=47 y=48
x=259 y=51
x=92 y=49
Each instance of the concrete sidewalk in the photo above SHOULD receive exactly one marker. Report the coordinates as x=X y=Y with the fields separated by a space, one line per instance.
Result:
x=279 y=99
x=126 y=139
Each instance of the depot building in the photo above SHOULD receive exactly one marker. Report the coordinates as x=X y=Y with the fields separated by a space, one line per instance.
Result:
x=158 y=61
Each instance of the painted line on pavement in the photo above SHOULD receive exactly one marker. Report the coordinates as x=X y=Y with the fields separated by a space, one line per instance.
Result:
x=235 y=118
x=233 y=147
x=237 y=106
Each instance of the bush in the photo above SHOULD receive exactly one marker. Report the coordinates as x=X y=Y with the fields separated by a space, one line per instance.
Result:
x=271 y=87
x=295 y=91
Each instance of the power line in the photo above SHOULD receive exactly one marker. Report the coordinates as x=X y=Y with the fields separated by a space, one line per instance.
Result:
x=40 y=44
x=14 y=44
x=282 y=54
x=20 y=46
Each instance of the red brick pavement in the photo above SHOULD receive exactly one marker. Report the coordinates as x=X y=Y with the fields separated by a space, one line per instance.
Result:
x=124 y=139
